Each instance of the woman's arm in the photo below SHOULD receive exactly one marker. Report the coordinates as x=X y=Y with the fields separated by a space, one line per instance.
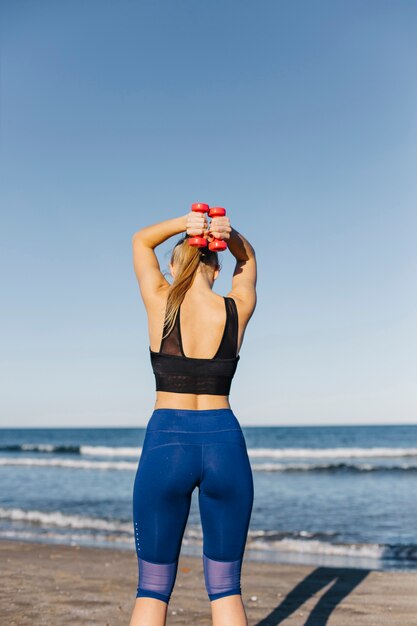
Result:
x=154 y=235
x=245 y=273
x=144 y=241
x=145 y=262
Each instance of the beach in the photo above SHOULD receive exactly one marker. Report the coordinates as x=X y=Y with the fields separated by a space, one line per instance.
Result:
x=49 y=584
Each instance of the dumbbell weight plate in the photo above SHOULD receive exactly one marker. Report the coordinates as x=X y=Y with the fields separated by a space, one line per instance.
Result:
x=217 y=245
x=197 y=242
x=217 y=211
x=200 y=207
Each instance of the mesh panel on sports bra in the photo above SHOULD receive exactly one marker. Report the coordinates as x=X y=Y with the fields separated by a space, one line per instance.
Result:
x=172 y=344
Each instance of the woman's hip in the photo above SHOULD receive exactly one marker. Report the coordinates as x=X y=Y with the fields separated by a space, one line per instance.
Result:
x=193 y=427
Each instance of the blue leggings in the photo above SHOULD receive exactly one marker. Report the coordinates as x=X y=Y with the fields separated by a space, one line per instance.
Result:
x=184 y=449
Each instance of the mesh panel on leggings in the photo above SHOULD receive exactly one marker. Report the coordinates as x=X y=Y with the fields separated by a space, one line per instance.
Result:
x=156 y=578
x=222 y=577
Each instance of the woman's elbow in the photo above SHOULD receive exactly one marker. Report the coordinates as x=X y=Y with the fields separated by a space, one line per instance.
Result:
x=138 y=236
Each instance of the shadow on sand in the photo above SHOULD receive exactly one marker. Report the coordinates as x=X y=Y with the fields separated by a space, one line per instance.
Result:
x=344 y=581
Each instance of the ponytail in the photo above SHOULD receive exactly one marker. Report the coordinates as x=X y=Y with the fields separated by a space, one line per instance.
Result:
x=187 y=260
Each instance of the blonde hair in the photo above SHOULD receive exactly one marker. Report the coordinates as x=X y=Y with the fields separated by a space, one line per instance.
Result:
x=187 y=260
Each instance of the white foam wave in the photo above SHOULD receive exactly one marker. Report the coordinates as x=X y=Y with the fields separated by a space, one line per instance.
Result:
x=110 y=451
x=332 y=467
x=273 y=453
x=322 y=453
x=315 y=546
x=131 y=466
x=67 y=538
x=372 y=551
x=61 y=520
x=73 y=528
x=71 y=463
x=39 y=447
x=277 y=453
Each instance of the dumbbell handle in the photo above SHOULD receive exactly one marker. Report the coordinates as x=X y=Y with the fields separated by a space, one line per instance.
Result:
x=217 y=245
x=199 y=242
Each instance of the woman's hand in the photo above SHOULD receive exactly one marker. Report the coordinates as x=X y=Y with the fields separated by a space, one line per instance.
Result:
x=196 y=223
x=220 y=228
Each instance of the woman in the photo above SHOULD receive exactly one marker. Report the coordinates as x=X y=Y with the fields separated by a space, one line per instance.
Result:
x=193 y=437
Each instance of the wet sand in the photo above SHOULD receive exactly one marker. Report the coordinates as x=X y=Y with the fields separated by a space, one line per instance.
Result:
x=43 y=584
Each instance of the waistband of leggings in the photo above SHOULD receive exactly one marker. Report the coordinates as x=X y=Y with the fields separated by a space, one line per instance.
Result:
x=196 y=412
x=193 y=420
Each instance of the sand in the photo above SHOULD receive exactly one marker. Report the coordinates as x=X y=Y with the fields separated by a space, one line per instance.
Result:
x=59 y=585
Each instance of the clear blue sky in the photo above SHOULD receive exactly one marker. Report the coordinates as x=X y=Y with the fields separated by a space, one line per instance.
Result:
x=299 y=117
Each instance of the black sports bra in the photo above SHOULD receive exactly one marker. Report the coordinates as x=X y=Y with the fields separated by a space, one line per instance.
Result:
x=175 y=372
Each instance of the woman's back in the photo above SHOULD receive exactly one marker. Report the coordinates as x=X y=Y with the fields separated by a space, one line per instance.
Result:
x=180 y=371
x=201 y=323
x=195 y=335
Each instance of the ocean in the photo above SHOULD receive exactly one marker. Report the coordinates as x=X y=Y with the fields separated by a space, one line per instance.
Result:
x=324 y=495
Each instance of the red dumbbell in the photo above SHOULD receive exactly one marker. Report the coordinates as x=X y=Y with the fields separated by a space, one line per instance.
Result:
x=217 y=245
x=199 y=242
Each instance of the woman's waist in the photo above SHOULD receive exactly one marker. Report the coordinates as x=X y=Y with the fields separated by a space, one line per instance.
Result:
x=190 y=401
x=193 y=420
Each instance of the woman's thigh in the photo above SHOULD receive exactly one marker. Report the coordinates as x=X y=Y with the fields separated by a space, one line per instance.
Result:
x=225 y=500
x=165 y=479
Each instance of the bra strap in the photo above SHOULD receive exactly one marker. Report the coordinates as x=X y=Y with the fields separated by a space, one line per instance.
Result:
x=228 y=346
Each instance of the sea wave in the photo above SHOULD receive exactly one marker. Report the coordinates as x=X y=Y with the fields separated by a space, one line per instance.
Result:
x=273 y=453
x=91 y=464
x=119 y=531
x=117 y=451
x=71 y=463
x=332 y=453
x=41 y=447
x=62 y=520
x=109 y=451
x=333 y=467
